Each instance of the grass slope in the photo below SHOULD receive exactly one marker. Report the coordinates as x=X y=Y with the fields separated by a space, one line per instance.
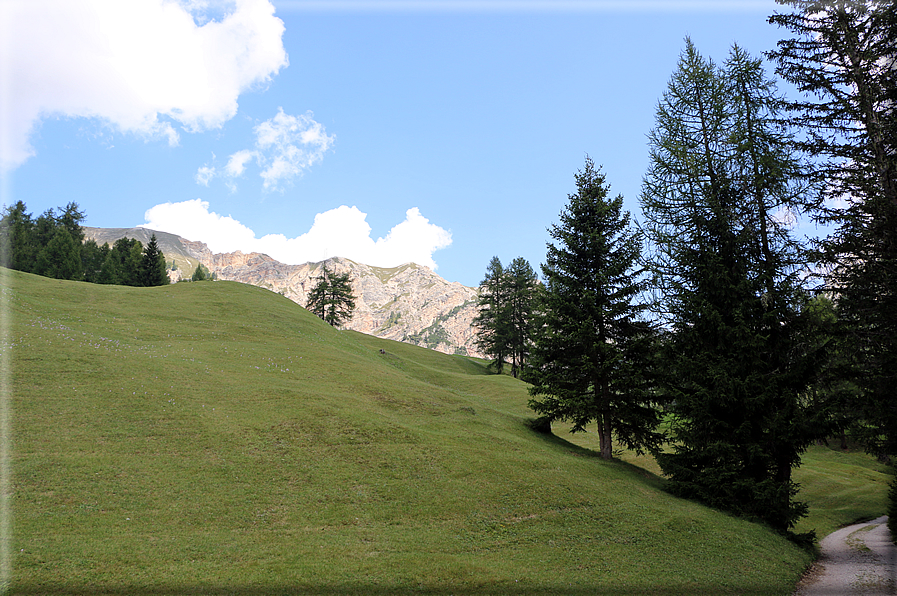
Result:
x=215 y=438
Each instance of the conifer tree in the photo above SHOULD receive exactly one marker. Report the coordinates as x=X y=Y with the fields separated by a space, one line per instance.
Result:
x=153 y=271
x=93 y=257
x=17 y=250
x=592 y=349
x=60 y=258
x=491 y=322
x=122 y=265
x=741 y=350
x=504 y=321
x=522 y=287
x=331 y=298
x=843 y=59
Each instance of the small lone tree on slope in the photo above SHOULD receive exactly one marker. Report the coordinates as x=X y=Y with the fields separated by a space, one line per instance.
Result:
x=332 y=298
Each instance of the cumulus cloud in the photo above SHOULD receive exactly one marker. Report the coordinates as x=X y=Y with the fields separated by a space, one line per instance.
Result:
x=141 y=66
x=340 y=232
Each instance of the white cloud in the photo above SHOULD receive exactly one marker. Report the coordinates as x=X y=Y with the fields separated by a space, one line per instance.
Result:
x=340 y=232
x=237 y=162
x=204 y=174
x=285 y=146
x=138 y=65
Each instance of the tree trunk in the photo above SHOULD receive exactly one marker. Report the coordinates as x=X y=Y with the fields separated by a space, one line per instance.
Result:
x=604 y=437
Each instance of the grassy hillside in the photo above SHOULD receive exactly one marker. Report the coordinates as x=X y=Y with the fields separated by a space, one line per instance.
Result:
x=840 y=487
x=215 y=438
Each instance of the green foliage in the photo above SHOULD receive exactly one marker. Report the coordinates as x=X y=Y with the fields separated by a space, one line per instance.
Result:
x=93 y=257
x=742 y=348
x=60 y=258
x=841 y=56
x=491 y=325
x=331 y=298
x=592 y=351
x=122 y=264
x=54 y=246
x=201 y=273
x=152 y=271
x=17 y=250
x=506 y=311
x=49 y=245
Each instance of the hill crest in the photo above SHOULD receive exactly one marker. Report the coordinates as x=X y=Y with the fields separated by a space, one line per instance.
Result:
x=408 y=303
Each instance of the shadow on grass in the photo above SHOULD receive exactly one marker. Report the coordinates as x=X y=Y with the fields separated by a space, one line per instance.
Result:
x=378 y=590
x=548 y=435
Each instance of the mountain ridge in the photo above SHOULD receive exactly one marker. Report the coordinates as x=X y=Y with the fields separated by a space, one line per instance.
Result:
x=408 y=303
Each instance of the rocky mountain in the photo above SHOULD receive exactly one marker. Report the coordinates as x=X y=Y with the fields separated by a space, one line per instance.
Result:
x=408 y=303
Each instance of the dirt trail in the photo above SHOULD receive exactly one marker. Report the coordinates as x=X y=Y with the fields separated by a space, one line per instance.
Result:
x=858 y=559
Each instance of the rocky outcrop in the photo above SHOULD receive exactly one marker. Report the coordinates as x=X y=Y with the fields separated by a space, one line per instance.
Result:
x=408 y=303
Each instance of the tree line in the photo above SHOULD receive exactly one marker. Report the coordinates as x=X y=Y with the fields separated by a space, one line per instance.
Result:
x=710 y=315
x=53 y=245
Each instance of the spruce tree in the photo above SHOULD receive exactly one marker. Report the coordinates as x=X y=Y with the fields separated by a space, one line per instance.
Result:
x=492 y=321
x=93 y=257
x=522 y=287
x=741 y=350
x=60 y=258
x=17 y=248
x=153 y=271
x=592 y=349
x=504 y=321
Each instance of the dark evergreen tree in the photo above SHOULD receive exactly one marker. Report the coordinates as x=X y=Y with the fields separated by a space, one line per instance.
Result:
x=504 y=321
x=17 y=249
x=60 y=258
x=491 y=322
x=592 y=350
x=331 y=298
x=43 y=231
x=93 y=257
x=201 y=273
x=843 y=59
x=739 y=359
x=122 y=265
x=71 y=218
x=522 y=287
x=153 y=271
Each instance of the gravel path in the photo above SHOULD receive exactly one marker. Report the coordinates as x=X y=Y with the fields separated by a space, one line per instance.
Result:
x=858 y=559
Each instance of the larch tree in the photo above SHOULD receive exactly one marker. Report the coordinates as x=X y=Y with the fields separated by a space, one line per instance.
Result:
x=592 y=348
x=842 y=57
x=741 y=351
x=331 y=298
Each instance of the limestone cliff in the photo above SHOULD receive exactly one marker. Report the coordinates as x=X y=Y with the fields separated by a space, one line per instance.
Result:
x=408 y=303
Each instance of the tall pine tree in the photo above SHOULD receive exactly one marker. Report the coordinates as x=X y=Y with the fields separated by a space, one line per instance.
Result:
x=592 y=349
x=491 y=322
x=739 y=357
x=522 y=288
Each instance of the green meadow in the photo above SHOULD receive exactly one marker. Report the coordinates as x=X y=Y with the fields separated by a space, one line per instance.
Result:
x=216 y=438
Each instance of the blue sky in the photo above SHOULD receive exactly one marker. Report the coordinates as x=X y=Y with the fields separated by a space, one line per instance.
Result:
x=440 y=132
